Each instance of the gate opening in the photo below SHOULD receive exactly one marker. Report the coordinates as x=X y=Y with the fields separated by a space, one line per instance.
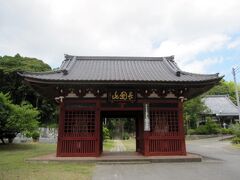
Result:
x=120 y=131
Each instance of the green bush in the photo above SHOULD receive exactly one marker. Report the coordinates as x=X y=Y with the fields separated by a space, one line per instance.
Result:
x=16 y=118
x=226 y=131
x=235 y=128
x=106 y=133
x=35 y=136
x=202 y=130
x=191 y=131
x=212 y=127
x=236 y=140
x=209 y=128
x=126 y=136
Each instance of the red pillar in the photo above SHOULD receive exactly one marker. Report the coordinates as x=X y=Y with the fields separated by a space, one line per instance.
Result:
x=181 y=126
x=98 y=128
x=60 y=127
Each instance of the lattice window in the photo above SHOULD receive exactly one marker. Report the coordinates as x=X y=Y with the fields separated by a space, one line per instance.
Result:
x=164 y=121
x=79 y=122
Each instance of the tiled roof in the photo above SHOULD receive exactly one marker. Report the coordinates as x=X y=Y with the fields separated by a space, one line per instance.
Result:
x=220 y=105
x=134 y=69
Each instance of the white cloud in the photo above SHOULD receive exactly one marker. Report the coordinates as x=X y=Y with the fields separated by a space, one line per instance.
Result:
x=48 y=29
x=202 y=66
x=234 y=44
x=187 y=50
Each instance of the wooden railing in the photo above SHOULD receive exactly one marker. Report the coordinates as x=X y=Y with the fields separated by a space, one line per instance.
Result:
x=78 y=147
x=164 y=146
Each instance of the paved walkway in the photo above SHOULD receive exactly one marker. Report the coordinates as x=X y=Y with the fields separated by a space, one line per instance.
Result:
x=222 y=162
x=119 y=146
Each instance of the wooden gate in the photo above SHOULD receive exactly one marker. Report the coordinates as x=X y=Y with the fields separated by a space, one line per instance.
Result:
x=166 y=136
x=79 y=130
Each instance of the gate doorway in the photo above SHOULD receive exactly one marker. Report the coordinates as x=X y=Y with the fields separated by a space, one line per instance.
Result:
x=122 y=124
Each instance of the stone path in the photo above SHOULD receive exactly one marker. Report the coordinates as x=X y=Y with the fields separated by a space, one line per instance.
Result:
x=119 y=146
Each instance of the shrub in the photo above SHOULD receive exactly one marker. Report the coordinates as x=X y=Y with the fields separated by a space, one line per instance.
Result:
x=191 y=131
x=235 y=128
x=16 y=118
x=35 y=136
x=212 y=127
x=126 y=136
x=209 y=128
x=106 y=133
x=226 y=131
x=236 y=140
x=202 y=130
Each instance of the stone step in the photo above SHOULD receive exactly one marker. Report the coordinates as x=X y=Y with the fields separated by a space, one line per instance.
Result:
x=123 y=162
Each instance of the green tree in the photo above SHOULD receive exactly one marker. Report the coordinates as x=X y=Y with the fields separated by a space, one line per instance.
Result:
x=223 y=88
x=129 y=125
x=13 y=84
x=192 y=111
x=16 y=118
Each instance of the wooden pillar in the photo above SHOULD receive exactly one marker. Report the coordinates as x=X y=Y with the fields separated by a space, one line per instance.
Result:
x=98 y=128
x=60 y=127
x=181 y=126
x=146 y=143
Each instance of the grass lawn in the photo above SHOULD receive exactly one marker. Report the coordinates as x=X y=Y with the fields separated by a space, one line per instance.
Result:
x=130 y=144
x=108 y=145
x=13 y=165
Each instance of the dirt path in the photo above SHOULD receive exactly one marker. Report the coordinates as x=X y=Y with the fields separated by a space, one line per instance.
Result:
x=119 y=146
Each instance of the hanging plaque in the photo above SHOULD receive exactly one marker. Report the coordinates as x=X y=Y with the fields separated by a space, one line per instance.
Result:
x=122 y=96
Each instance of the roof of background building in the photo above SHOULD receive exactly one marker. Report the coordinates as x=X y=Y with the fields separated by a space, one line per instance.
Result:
x=124 y=69
x=220 y=105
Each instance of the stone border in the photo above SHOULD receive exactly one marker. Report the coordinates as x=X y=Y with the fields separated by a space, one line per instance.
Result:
x=116 y=158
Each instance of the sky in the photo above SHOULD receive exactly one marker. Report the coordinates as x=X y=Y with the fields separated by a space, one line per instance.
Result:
x=203 y=35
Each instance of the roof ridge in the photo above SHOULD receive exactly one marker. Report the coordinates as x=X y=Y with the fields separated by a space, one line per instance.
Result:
x=217 y=95
x=231 y=102
x=40 y=73
x=121 y=58
x=170 y=65
x=189 y=73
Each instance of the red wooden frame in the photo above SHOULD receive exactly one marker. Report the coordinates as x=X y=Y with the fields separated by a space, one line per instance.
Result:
x=148 y=143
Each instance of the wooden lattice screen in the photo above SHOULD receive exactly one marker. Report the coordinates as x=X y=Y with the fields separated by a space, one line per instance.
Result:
x=165 y=137
x=78 y=135
x=164 y=123
x=80 y=123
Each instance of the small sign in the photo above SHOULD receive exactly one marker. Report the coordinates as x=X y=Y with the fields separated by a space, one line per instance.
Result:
x=146 y=117
x=122 y=96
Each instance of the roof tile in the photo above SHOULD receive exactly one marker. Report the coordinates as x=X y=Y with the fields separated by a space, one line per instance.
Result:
x=103 y=68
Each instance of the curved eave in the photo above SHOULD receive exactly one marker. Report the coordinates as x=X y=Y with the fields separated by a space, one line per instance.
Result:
x=48 y=88
x=122 y=82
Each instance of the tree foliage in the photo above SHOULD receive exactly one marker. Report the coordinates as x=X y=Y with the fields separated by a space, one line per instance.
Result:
x=16 y=118
x=192 y=110
x=120 y=127
x=106 y=133
x=194 y=107
x=236 y=132
x=9 y=64
x=13 y=84
x=235 y=129
x=223 y=88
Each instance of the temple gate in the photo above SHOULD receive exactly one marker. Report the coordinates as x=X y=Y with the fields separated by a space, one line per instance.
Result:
x=150 y=89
